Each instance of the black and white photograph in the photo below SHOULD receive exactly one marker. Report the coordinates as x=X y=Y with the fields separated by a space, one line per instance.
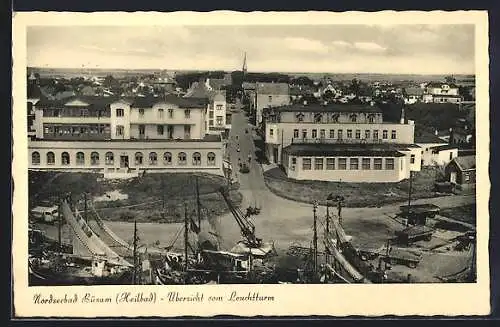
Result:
x=229 y=154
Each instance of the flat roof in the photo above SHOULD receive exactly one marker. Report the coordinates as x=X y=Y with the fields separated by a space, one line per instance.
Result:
x=333 y=107
x=347 y=150
x=206 y=138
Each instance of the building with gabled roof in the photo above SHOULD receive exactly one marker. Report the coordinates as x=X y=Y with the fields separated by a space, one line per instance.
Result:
x=461 y=172
x=268 y=95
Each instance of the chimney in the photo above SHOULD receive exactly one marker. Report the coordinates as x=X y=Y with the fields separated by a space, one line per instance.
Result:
x=305 y=102
x=402 y=120
x=325 y=103
x=436 y=132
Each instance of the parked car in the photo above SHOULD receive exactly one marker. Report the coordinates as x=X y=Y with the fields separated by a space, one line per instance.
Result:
x=244 y=169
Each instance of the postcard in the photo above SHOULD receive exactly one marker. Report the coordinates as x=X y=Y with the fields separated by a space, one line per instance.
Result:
x=230 y=163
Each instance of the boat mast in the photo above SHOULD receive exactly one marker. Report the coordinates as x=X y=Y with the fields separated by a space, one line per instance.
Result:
x=59 y=225
x=198 y=204
x=134 y=276
x=315 y=241
x=186 y=226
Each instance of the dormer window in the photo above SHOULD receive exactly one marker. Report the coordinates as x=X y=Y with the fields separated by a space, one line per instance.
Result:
x=371 y=119
x=300 y=117
x=335 y=118
x=353 y=118
x=317 y=117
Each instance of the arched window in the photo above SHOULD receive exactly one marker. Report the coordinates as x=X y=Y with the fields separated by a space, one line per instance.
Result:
x=167 y=158
x=109 y=158
x=35 y=158
x=371 y=119
x=51 y=158
x=182 y=158
x=80 y=158
x=94 y=158
x=138 y=158
x=196 y=159
x=211 y=159
x=335 y=118
x=65 y=158
x=353 y=118
x=153 y=158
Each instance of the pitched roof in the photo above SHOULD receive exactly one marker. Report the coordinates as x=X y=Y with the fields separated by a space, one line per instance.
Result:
x=440 y=84
x=332 y=107
x=443 y=147
x=197 y=90
x=428 y=138
x=414 y=91
x=34 y=92
x=273 y=88
x=216 y=83
x=465 y=162
x=348 y=150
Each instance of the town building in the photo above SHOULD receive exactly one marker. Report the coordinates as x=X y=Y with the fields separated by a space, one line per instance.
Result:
x=123 y=136
x=461 y=172
x=413 y=95
x=437 y=92
x=218 y=119
x=268 y=95
x=340 y=142
x=434 y=150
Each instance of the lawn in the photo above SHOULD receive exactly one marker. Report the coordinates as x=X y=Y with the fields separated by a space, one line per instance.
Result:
x=466 y=213
x=152 y=198
x=355 y=194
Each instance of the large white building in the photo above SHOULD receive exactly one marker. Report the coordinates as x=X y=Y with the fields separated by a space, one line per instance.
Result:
x=339 y=142
x=123 y=136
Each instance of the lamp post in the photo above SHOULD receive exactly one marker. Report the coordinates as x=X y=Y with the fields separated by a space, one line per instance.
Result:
x=329 y=199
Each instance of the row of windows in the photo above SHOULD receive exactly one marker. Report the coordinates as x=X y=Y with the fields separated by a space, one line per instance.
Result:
x=343 y=163
x=160 y=130
x=160 y=113
x=340 y=134
x=110 y=158
x=77 y=130
x=334 y=118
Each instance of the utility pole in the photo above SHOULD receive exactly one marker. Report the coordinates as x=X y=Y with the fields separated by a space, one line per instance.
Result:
x=186 y=235
x=315 y=241
x=162 y=198
x=409 y=192
x=327 y=258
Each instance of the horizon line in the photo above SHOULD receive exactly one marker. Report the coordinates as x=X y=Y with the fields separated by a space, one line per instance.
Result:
x=261 y=71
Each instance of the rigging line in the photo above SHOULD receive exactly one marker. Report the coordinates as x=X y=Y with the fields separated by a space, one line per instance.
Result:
x=177 y=236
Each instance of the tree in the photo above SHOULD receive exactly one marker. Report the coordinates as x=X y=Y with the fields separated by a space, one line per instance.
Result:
x=450 y=79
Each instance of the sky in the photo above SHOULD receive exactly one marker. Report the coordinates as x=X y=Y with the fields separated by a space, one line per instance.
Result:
x=395 y=49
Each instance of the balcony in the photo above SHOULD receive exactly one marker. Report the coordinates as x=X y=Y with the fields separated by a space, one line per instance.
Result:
x=335 y=141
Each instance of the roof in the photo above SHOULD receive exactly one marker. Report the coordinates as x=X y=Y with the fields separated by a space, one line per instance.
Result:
x=273 y=88
x=348 y=150
x=446 y=96
x=444 y=147
x=34 y=92
x=135 y=102
x=333 y=107
x=206 y=138
x=439 y=84
x=465 y=162
x=197 y=90
x=428 y=138
x=414 y=91
x=216 y=83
